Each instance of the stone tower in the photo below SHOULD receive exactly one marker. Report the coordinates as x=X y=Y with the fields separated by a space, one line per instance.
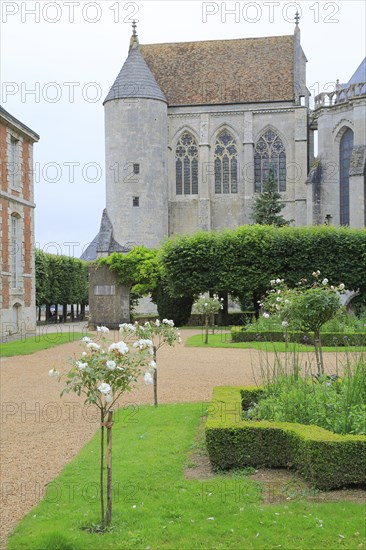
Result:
x=136 y=156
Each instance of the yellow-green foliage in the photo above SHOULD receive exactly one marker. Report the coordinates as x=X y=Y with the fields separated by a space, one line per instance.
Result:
x=325 y=459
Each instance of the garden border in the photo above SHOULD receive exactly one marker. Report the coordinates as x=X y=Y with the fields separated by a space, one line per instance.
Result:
x=327 y=338
x=325 y=459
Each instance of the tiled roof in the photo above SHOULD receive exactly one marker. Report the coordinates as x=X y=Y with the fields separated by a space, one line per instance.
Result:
x=135 y=80
x=359 y=75
x=224 y=71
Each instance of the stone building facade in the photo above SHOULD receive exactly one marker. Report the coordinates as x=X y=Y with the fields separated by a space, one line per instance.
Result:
x=17 y=281
x=338 y=190
x=191 y=130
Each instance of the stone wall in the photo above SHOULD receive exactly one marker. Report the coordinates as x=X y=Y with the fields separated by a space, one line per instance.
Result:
x=109 y=302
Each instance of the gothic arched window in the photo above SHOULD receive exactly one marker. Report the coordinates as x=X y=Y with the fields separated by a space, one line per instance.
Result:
x=345 y=152
x=226 y=164
x=269 y=151
x=186 y=165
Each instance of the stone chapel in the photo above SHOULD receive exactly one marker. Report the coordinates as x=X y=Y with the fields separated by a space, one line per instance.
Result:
x=192 y=128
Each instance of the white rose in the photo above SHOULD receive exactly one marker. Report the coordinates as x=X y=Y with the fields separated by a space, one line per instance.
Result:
x=93 y=346
x=86 y=339
x=325 y=281
x=266 y=315
x=103 y=330
x=148 y=379
x=143 y=344
x=53 y=372
x=111 y=365
x=120 y=347
x=80 y=365
x=341 y=286
x=104 y=388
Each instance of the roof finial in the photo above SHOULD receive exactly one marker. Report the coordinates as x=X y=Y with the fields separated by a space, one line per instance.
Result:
x=297 y=17
x=134 y=41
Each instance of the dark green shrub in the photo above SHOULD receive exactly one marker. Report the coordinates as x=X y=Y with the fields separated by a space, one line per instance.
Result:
x=325 y=459
x=177 y=309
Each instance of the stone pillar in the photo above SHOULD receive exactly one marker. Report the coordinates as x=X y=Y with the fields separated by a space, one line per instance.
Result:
x=357 y=187
x=205 y=176
x=109 y=301
x=247 y=170
x=300 y=166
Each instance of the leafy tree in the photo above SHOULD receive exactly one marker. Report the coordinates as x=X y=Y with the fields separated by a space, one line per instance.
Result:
x=208 y=307
x=268 y=204
x=305 y=307
x=139 y=269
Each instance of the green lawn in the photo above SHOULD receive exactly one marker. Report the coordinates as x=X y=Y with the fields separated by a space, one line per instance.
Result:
x=155 y=506
x=38 y=342
x=223 y=341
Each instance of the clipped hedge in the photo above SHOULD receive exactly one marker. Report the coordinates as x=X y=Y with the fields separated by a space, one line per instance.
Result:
x=327 y=338
x=325 y=459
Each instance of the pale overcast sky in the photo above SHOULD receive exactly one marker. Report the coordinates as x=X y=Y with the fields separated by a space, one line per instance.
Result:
x=59 y=59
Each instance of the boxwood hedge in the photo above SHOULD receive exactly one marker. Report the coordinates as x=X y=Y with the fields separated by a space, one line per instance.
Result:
x=327 y=338
x=325 y=459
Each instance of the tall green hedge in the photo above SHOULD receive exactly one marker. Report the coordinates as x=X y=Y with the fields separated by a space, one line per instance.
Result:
x=325 y=459
x=244 y=260
x=60 y=280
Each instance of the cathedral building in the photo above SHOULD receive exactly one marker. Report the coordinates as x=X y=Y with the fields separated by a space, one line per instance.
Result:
x=192 y=128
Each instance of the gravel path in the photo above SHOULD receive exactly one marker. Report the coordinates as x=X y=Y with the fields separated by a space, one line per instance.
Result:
x=40 y=432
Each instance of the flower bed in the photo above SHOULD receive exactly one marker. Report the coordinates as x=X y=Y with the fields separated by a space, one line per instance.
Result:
x=325 y=459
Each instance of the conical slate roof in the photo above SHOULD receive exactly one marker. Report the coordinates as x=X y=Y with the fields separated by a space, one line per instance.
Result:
x=135 y=80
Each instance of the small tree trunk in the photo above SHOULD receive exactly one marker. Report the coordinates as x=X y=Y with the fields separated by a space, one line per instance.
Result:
x=72 y=313
x=318 y=352
x=109 y=468
x=48 y=312
x=206 y=328
x=39 y=314
x=101 y=469
x=56 y=313
x=155 y=378
x=222 y=316
x=64 y=312
x=77 y=310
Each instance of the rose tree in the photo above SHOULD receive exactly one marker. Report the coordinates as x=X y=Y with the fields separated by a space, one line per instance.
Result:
x=102 y=374
x=160 y=334
x=208 y=307
x=306 y=307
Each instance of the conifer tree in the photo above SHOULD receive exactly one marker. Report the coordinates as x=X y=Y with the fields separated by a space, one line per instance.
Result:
x=268 y=205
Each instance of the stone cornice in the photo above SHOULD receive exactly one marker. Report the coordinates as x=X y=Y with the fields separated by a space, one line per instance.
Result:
x=19 y=200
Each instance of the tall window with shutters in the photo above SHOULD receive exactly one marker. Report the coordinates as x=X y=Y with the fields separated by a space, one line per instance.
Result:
x=15 y=250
